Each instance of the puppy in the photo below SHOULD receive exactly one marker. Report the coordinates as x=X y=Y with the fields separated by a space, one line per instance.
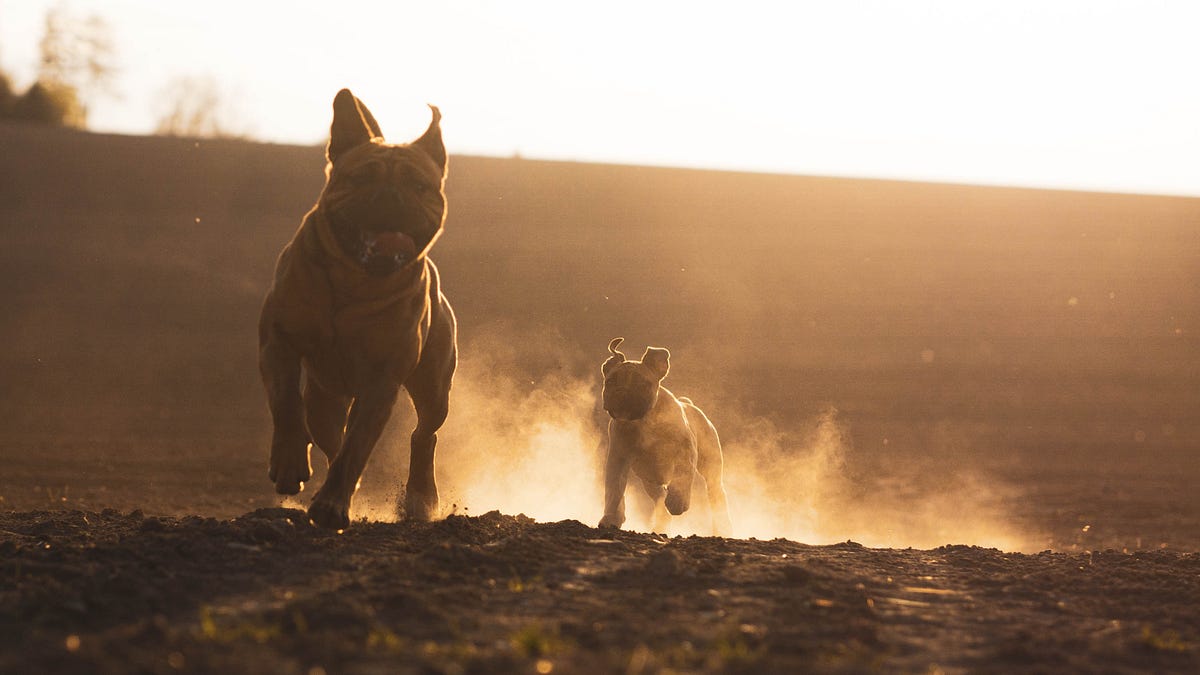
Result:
x=665 y=441
x=355 y=312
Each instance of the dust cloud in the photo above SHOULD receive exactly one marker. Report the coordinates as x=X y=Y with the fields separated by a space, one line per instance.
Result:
x=796 y=484
x=523 y=435
x=526 y=435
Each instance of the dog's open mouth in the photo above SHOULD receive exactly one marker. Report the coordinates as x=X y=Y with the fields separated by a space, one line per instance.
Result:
x=385 y=252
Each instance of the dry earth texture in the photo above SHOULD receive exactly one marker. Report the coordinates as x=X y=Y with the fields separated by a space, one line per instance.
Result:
x=994 y=391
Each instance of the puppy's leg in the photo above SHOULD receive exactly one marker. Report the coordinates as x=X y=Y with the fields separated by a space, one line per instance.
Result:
x=429 y=389
x=279 y=366
x=325 y=413
x=616 y=478
x=368 y=415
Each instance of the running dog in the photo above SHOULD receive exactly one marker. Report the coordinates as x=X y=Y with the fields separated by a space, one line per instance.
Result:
x=663 y=439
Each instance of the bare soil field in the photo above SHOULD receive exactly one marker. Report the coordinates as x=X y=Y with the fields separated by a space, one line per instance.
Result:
x=960 y=426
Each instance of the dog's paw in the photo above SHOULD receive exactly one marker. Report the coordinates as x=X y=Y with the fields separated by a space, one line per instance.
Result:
x=290 y=468
x=422 y=507
x=329 y=515
x=611 y=523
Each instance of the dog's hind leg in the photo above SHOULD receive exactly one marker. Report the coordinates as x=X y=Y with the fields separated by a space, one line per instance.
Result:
x=710 y=464
x=660 y=517
x=657 y=516
x=325 y=413
x=421 y=501
x=429 y=389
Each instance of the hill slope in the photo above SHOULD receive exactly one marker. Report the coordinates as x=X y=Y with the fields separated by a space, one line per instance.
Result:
x=132 y=261
x=968 y=338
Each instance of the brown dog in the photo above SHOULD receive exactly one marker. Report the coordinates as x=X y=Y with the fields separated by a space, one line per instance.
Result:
x=355 y=312
x=665 y=441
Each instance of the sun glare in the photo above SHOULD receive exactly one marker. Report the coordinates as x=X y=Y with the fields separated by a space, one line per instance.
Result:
x=965 y=92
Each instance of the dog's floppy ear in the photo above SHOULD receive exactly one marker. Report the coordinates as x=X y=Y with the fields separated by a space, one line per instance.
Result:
x=430 y=142
x=616 y=359
x=351 y=127
x=658 y=360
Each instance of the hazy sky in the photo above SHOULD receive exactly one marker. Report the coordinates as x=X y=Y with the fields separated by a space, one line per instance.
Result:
x=1089 y=94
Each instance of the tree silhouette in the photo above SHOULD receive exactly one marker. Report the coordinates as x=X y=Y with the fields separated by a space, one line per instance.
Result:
x=56 y=106
x=7 y=97
x=77 y=62
x=196 y=106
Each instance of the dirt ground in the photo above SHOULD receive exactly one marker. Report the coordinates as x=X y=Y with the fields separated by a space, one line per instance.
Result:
x=111 y=592
x=1013 y=361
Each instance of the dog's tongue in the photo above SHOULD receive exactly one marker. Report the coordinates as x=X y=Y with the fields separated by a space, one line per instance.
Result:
x=394 y=243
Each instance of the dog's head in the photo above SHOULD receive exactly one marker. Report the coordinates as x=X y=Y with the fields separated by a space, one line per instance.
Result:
x=384 y=202
x=631 y=387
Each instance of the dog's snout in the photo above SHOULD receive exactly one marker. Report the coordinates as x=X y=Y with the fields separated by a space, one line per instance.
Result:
x=625 y=411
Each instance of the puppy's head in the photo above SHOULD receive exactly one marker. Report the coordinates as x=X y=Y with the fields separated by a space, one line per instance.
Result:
x=384 y=202
x=631 y=387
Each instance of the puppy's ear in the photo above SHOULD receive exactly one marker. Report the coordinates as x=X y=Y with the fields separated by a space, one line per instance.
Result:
x=350 y=127
x=430 y=142
x=616 y=359
x=658 y=360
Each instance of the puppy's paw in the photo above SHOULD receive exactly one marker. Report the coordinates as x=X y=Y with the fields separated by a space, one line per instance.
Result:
x=422 y=507
x=328 y=514
x=290 y=468
x=611 y=522
x=677 y=503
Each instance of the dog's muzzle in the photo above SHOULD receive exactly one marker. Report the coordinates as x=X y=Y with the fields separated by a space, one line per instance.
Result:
x=620 y=407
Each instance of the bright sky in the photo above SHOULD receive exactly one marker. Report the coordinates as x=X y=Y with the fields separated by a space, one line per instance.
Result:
x=1091 y=94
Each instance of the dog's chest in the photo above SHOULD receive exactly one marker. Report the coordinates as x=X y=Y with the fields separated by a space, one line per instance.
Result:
x=364 y=345
x=661 y=451
x=349 y=342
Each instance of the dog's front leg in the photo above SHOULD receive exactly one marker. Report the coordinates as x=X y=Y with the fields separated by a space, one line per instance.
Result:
x=368 y=416
x=279 y=365
x=616 y=477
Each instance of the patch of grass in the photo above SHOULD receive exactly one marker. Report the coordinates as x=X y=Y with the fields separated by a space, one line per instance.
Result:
x=385 y=639
x=535 y=641
x=1164 y=641
x=518 y=585
x=227 y=631
x=736 y=647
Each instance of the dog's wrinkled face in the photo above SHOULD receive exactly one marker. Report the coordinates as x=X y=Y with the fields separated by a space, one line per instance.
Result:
x=631 y=387
x=384 y=203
